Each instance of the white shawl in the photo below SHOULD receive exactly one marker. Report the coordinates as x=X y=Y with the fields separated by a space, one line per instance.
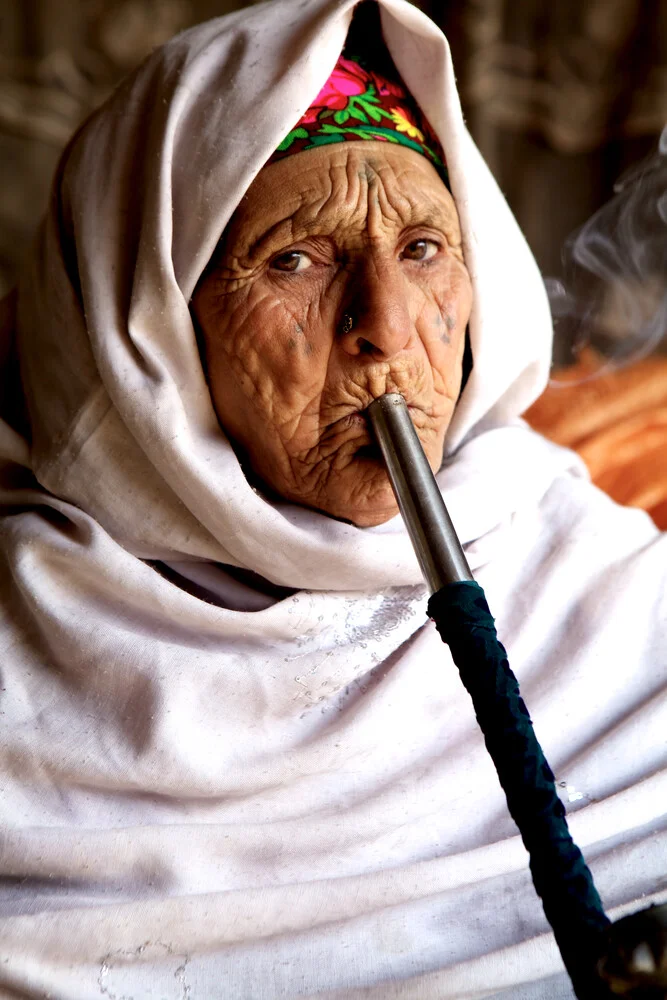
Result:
x=253 y=797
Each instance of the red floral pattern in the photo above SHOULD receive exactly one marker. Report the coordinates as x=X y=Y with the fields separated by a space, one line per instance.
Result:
x=347 y=80
x=357 y=103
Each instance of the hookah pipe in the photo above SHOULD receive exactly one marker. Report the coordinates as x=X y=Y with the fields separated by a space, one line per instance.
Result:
x=603 y=960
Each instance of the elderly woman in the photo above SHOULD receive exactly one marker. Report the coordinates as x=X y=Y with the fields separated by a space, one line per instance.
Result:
x=236 y=759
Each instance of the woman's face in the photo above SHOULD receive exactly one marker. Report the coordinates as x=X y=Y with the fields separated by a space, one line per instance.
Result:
x=366 y=230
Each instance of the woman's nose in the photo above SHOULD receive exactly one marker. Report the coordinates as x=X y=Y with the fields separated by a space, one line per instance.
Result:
x=376 y=320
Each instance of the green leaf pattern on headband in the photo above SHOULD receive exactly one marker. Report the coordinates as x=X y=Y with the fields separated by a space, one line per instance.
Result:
x=357 y=103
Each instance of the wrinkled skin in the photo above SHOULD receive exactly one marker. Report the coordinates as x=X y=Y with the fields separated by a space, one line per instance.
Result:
x=363 y=228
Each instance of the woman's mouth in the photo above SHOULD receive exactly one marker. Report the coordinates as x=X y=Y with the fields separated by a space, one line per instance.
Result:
x=357 y=425
x=369 y=453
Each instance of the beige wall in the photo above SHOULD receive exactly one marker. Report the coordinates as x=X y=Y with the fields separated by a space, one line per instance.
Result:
x=58 y=60
x=559 y=96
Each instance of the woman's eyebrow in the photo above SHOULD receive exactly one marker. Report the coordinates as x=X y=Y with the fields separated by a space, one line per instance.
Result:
x=423 y=212
x=281 y=233
x=429 y=212
x=289 y=230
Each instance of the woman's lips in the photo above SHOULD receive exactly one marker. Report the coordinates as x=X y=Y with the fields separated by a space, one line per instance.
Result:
x=355 y=429
x=358 y=423
x=359 y=417
x=368 y=448
x=357 y=426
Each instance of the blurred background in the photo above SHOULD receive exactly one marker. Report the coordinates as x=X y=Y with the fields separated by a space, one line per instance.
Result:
x=560 y=97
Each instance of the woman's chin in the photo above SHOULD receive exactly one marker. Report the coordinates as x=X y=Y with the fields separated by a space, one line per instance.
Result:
x=371 y=518
x=369 y=501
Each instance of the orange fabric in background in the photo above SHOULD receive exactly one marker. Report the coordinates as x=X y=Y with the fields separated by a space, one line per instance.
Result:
x=617 y=422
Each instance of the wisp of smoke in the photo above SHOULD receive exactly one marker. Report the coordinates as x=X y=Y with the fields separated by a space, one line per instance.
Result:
x=613 y=296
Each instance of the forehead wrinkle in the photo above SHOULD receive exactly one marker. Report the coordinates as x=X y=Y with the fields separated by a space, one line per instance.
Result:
x=318 y=213
x=365 y=196
x=424 y=209
x=387 y=206
x=399 y=201
x=370 y=195
x=281 y=228
x=307 y=219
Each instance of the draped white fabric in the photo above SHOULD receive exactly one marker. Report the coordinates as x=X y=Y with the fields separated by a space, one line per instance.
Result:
x=287 y=796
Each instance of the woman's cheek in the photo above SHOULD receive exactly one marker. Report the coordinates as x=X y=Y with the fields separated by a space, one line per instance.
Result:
x=461 y=294
x=294 y=334
x=275 y=357
x=442 y=326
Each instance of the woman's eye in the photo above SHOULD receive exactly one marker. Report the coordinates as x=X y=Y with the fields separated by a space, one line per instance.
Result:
x=293 y=260
x=420 y=250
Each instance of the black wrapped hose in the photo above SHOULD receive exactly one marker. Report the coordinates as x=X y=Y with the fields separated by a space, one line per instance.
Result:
x=603 y=960
x=560 y=874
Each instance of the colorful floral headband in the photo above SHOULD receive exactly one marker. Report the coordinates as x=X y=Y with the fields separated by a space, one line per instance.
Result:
x=359 y=103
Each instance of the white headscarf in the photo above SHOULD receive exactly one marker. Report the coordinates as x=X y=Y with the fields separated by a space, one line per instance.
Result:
x=241 y=796
x=122 y=419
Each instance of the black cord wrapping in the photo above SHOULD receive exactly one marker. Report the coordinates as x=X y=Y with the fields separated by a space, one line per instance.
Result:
x=560 y=874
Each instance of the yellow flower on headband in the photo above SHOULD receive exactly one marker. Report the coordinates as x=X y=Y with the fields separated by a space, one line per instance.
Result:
x=358 y=103
x=403 y=125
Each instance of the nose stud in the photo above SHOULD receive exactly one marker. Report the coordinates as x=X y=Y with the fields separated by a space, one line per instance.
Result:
x=347 y=323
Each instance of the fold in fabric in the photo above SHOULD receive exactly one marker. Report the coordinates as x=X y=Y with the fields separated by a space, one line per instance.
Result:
x=211 y=792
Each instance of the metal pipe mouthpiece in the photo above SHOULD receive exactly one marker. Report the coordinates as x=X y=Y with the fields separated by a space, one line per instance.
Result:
x=431 y=531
